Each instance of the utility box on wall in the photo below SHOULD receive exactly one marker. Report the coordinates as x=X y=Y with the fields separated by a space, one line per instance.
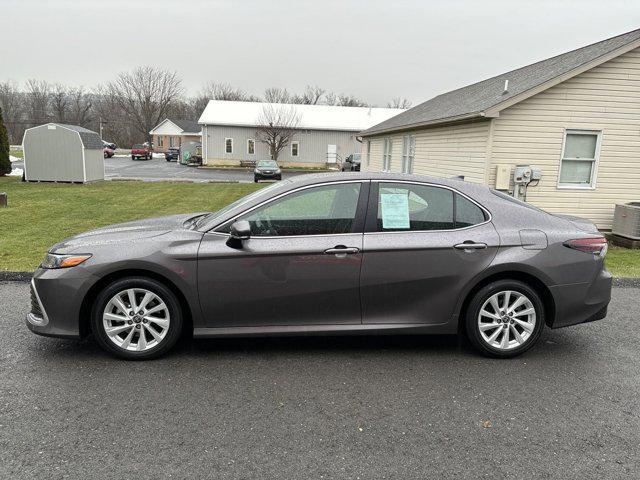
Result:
x=503 y=177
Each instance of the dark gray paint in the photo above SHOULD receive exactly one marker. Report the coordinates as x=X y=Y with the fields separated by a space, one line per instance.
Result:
x=409 y=282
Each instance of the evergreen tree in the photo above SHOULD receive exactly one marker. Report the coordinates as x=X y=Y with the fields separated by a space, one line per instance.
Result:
x=5 y=163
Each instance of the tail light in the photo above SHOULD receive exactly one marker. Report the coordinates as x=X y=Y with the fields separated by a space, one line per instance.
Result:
x=597 y=246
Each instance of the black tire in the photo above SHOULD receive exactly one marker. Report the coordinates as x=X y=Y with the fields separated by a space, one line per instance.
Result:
x=165 y=294
x=473 y=311
x=255 y=180
x=132 y=157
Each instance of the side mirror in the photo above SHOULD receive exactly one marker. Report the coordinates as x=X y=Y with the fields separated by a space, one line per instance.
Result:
x=240 y=230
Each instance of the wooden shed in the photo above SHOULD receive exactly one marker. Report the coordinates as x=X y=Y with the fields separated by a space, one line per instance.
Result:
x=56 y=152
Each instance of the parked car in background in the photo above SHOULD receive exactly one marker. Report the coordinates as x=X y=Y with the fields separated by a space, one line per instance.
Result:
x=351 y=163
x=109 y=145
x=326 y=254
x=141 y=152
x=172 y=154
x=108 y=152
x=267 y=170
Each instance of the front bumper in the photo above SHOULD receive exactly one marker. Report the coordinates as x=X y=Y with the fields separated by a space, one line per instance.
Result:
x=581 y=302
x=56 y=303
x=268 y=176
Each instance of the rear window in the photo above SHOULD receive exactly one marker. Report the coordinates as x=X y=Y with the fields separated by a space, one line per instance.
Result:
x=138 y=147
x=467 y=212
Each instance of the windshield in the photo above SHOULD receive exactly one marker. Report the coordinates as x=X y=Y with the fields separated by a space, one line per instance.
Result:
x=356 y=157
x=237 y=203
x=267 y=164
x=138 y=147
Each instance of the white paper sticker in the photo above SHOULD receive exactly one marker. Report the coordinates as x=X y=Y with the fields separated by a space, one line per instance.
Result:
x=395 y=210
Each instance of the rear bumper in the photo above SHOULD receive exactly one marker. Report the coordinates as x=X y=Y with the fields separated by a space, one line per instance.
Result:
x=581 y=302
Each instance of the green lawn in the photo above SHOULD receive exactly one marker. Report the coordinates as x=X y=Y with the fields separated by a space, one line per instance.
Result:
x=40 y=215
x=623 y=262
x=16 y=153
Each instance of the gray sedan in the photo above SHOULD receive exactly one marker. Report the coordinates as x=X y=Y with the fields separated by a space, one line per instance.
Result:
x=329 y=254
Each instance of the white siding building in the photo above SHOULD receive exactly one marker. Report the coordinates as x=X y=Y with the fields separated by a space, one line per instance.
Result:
x=576 y=117
x=324 y=134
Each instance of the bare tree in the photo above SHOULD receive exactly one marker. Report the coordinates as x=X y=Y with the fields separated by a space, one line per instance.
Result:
x=399 y=102
x=12 y=105
x=59 y=103
x=311 y=96
x=277 y=95
x=331 y=99
x=80 y=107
x=277 y=126
x=145 y=96
x=350 y=101
x=38 y=95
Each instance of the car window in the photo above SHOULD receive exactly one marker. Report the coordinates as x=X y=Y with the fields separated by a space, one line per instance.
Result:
x=406 y=207
x=322 y=210
x=467 y=212
x=267 y=164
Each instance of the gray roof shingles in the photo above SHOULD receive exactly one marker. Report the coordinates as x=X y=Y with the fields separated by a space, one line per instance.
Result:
x=478 y=97
x=90 y=139
x=190 y=126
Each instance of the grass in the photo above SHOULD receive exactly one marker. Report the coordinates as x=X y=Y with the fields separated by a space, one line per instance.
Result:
x=16 y=153
x=41 y=214
x=623 y=262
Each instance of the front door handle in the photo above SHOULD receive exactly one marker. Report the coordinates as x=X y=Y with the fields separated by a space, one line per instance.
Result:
x=468 y=245
x=341 y=250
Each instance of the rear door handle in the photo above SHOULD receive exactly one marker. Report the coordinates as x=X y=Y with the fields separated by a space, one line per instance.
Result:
x=341 y=250
x=469 y=245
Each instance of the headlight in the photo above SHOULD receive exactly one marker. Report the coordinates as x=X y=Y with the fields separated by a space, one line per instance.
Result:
x=54 y=260
x=278 y=171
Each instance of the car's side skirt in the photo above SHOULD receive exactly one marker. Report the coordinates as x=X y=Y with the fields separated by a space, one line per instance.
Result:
x=299 y=330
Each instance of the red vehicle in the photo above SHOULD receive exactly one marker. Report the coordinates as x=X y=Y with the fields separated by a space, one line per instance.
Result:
x=108 y=152
x=141 y=152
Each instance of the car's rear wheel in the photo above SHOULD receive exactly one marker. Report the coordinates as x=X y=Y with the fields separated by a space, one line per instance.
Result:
x=136 y=318
x=505 y=318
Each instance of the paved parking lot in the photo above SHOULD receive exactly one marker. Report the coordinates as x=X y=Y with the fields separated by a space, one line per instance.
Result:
x=344 y=408
x=160 y=169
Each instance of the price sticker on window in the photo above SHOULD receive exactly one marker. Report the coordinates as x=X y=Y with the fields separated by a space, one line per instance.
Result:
x=395 y=210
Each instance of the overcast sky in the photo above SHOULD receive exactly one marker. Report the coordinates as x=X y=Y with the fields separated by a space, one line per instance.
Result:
x=373 y=49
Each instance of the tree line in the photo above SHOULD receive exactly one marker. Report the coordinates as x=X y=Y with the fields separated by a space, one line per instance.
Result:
x=125 y=109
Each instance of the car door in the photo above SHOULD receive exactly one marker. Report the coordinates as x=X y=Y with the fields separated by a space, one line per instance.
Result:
x=422 y=244
x=301 y=265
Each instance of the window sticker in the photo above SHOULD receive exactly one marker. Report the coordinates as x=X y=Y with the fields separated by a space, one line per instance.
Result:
x=395 y=210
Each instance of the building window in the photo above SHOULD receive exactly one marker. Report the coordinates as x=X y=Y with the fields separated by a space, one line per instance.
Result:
x=368 y=153
x=387 y=147
x=408 y=153
x=251 y=146
x=160 y=141
x=228 y=145
x=295 y=148
x=172 y=142
x=579 y=159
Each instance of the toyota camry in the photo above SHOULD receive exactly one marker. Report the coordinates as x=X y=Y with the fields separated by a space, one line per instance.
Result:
x=328 y=254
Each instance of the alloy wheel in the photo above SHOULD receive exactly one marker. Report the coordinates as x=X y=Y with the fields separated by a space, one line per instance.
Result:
x=136 y=319
x=506 y=320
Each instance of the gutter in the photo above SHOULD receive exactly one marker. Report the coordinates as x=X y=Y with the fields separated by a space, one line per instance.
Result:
x=440 y=121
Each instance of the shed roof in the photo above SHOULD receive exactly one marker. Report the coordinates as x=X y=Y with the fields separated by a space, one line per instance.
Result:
x=478 y=99
x=312 y=117
x=90 y=139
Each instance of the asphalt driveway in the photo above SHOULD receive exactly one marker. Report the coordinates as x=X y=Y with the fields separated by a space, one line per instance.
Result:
x=344 y=408
x=160 y=169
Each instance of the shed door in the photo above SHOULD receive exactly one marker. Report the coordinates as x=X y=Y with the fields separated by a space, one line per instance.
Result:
x=332 y=153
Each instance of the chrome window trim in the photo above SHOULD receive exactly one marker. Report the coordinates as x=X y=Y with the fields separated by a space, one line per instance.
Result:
x=31 y=317
x=283 y=194
x=429 y=184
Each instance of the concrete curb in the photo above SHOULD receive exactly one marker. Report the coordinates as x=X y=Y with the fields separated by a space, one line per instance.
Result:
x=621 y=282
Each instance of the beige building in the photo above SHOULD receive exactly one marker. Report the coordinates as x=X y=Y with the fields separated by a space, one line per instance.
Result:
x=574 y=117
x=173 y=133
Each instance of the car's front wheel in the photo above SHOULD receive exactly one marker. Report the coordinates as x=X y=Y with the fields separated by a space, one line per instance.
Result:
x=505 y=318
x=136 y=318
